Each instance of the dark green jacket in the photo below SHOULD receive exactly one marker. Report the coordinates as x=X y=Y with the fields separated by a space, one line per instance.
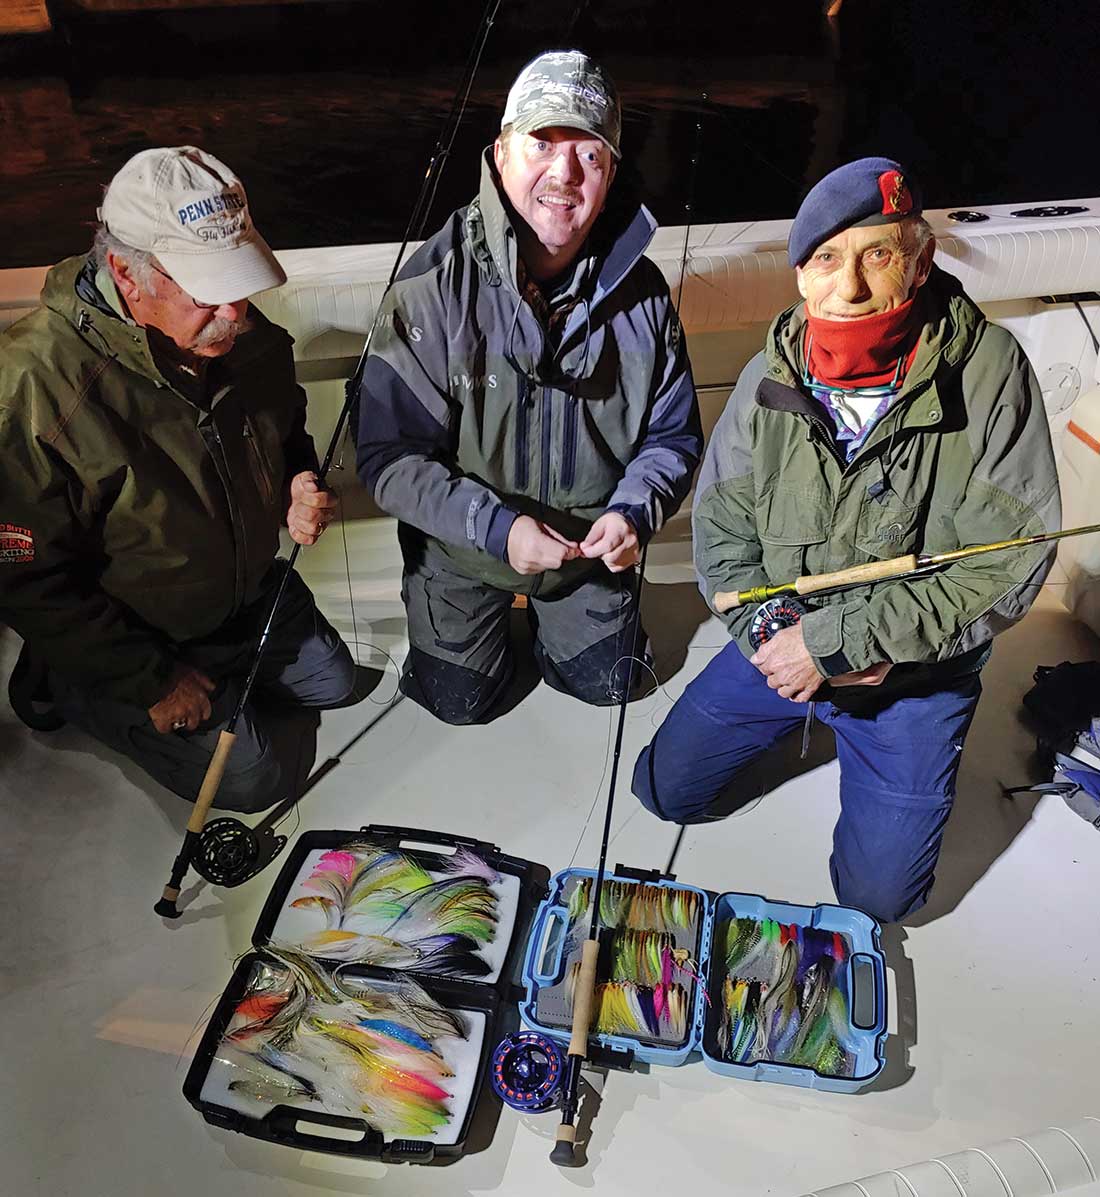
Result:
x=144 y=519
x=963 y=457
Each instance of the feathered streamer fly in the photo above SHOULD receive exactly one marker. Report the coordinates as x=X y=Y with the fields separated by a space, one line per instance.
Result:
x=382 y=907
x=784 y=996
x=301 y=1035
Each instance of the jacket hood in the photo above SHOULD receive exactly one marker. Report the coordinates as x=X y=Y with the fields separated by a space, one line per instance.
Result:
x=618 y=239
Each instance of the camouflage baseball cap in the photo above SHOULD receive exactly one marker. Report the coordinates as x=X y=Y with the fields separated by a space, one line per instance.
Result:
x=565 y=87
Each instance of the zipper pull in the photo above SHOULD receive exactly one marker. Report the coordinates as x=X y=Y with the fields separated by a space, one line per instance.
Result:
x=807 y=729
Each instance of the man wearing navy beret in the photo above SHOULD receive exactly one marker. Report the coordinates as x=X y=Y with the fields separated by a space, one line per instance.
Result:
x=885 y=416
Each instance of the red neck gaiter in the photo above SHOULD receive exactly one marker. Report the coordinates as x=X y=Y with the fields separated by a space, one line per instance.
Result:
x=865 y=352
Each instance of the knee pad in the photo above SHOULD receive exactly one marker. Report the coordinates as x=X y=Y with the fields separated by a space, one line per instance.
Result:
x=452 y=693
x=594 y=676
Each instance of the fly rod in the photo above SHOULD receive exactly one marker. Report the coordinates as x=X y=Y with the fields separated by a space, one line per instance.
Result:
x=879 y=571
x=584 y=1001
x=232 y=856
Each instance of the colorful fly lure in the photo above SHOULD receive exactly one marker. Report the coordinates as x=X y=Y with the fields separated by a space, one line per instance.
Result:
x=784 y=997
x=644 y=985
x=637 y=1011
x=641 y=993
x=636 y=906
x=300 y=1035
x=382 y=907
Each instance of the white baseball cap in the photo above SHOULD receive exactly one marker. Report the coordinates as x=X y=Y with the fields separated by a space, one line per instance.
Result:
x=191 y=211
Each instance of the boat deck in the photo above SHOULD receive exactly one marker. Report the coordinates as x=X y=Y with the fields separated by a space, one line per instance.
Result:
x=994 y=985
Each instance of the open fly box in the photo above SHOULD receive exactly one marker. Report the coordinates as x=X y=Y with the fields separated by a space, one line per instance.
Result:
x=289 y=1053
x=805 y=1003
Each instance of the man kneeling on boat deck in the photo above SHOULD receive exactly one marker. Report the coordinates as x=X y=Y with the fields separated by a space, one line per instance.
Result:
x=885 y=416
x=153 y=439
x=528 y=411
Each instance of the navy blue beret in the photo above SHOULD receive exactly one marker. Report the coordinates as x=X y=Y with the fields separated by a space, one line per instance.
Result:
x=868 y=191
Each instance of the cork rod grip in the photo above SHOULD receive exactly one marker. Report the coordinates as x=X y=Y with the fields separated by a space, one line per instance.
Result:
x=585 y=1001
x=210 y=783
x=873 y=571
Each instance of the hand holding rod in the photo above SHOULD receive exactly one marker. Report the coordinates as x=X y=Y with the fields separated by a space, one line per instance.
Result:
x=166 y=906
x=878 y=571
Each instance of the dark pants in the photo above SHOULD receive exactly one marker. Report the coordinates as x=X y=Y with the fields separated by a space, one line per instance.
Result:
x=460 y=652
x=305 y=664
x=898 y=766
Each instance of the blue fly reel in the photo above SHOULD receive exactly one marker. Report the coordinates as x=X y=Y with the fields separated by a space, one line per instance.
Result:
x=773 y=616
x=527 y=1072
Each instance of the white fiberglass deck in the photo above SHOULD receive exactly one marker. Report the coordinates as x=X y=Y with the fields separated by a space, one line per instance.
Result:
x=995 y=983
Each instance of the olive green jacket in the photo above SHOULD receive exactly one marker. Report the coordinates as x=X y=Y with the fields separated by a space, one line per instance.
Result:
x=136 y=519
x=962 y=457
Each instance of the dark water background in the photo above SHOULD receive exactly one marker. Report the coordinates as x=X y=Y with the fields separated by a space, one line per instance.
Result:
x=330 y=111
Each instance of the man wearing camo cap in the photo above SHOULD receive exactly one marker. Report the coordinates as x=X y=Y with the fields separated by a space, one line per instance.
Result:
x=528 y=411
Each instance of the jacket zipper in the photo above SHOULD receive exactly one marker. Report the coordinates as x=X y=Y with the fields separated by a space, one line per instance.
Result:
x=569 y=442
x=263 y=471
x=547 y=408
x=827 y=439
x=236 y=523
x=522 y=426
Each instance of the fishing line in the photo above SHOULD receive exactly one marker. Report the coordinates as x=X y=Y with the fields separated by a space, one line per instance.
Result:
x=351 y=593
x=235 y=852
x=1088 y=325
x=584 y=1007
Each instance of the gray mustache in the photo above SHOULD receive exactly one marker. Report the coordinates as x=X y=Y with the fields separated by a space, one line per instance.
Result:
x=220 y=329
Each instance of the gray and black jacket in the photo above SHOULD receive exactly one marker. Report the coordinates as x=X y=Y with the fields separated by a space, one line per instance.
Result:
x=471 y=414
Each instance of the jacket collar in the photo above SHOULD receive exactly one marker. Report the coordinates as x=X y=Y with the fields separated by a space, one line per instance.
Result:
x=73 y=292
x=953 y=322
x=619 y=239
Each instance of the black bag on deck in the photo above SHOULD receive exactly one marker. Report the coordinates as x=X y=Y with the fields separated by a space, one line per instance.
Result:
x=1063 y=702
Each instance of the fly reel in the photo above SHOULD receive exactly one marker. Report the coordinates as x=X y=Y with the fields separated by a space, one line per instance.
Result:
x=527 y=1072
x=229 y=852
x=773 y=616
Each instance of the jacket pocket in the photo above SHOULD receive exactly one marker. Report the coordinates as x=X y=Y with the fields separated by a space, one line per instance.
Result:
x=887 y=529
x=258 y=460
x=453 y=613
x=789 y=520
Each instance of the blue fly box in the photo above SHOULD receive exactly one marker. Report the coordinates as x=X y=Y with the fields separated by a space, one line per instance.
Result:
x=554 y=947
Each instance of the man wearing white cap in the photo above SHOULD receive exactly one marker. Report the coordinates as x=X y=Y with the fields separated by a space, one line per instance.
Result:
x=153 y=439
x=528 y=411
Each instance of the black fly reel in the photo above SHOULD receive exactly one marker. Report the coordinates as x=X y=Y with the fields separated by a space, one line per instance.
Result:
x=229 y=852
x=773 y=616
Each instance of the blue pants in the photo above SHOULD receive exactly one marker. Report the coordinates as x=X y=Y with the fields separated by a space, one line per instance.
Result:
x=898 y=763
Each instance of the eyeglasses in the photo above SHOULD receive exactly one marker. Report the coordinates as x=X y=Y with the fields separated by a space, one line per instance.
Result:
x=203 y=307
